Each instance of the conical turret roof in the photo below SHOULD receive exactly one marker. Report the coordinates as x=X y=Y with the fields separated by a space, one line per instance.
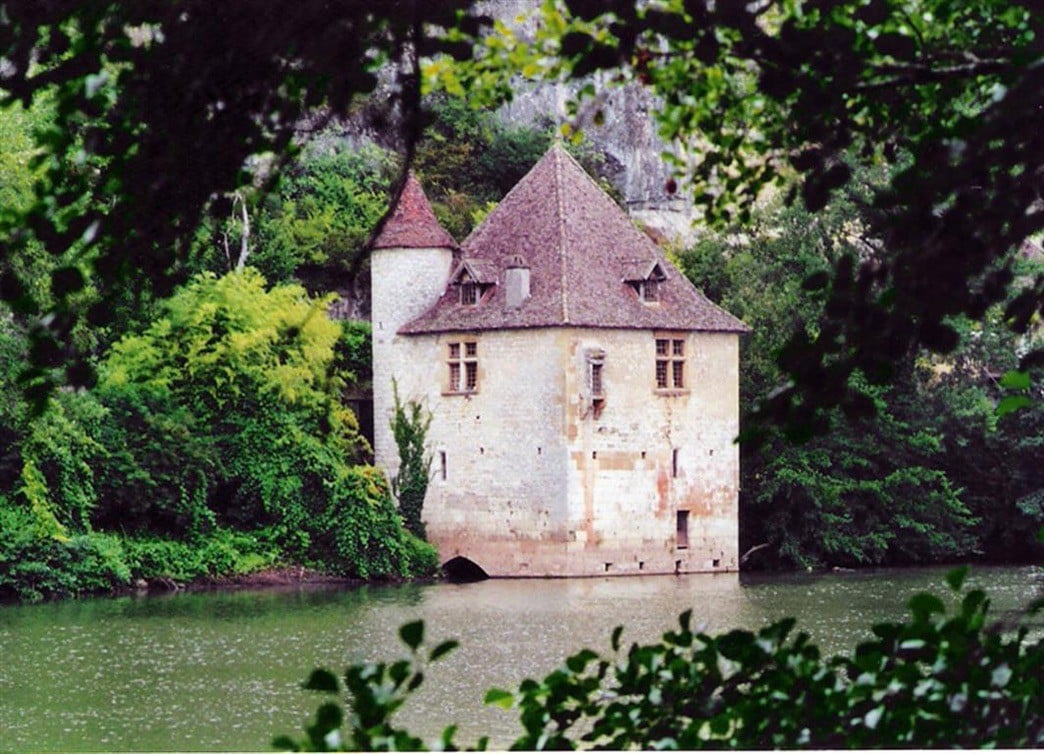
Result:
x=587 y=263
x=413 y=224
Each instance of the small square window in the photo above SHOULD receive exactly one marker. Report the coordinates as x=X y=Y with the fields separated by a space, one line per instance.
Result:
x=469 y=294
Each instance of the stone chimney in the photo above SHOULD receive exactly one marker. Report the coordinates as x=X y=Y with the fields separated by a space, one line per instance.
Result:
x=516 y=282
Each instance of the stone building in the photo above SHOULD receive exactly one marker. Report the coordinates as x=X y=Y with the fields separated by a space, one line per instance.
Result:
x=584 y=395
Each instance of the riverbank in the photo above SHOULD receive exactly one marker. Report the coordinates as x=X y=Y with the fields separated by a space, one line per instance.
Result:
x=285 y=576
x=35 y=568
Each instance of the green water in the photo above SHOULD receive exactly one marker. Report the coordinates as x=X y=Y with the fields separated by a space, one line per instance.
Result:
x=222 y=671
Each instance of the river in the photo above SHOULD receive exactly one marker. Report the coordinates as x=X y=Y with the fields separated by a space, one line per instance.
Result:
x=222 y=670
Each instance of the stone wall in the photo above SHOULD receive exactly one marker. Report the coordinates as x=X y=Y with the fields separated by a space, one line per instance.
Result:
x=404 y=284
x=533 y=475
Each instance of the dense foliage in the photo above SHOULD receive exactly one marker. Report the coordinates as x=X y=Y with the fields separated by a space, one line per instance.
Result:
x=468 y=160
x=936 y=680
x=326 y=206
x=936 y=475
x=215 y=442
x=157 y=108
x=221 y=411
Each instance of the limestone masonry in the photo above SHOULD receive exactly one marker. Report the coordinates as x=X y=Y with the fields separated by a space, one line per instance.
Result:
x=584 y=395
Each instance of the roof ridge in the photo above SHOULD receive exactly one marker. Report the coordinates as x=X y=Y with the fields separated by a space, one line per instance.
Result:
x=581 y=247
x=512 y=190
x=562 y=236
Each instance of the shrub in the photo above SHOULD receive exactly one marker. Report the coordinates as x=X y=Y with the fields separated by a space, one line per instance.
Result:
x=35 y=566
x=228 y=414
x=59 y=455
x=159 y=467
x=222 y=552
x=361 y=535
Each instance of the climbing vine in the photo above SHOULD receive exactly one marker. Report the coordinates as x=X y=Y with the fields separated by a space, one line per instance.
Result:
x=410 y=425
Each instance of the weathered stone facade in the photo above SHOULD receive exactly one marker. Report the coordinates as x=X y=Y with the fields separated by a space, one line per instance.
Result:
x=562 y=447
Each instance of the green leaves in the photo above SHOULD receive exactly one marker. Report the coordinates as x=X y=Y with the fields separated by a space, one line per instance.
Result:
x=924 y=605
x=809 y=100
x=322 y=680
x=1009 y=404
x=499 y=698
x=409 y=425
x=955 y=579
x=375 y=691
x=443 y=649
x=412 y=634
x=142 y=134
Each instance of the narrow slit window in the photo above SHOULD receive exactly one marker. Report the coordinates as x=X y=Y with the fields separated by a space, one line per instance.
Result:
x=595 y=365
x=443 y=468
x=683 y=530
x=596 y=380
x=674 y=463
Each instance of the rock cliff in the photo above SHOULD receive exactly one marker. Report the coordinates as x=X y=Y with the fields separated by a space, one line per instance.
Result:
x=627 y=136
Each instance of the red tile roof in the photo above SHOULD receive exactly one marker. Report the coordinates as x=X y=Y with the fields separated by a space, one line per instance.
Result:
x=413 y=224
x=581 y=249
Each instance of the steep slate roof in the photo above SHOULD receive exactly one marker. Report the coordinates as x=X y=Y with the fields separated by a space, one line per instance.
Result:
x=413 y=224
x=581 y=249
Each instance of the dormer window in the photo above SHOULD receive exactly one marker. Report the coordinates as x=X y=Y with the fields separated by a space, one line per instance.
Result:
x=645 y=280
x=469 y=293
x=472 y=281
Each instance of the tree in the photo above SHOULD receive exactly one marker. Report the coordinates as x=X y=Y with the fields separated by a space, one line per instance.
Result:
x=867 y=492
x=227 y=411
x=324 y=210
x=157 y=110
x=769 y=93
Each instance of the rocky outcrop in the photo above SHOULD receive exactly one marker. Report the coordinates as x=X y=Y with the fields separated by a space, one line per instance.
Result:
x=627 y=136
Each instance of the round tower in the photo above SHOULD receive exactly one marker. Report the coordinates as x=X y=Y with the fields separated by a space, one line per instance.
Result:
x=410 y=264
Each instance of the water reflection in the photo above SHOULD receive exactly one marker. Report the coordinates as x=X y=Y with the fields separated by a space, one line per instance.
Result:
x=223 y=670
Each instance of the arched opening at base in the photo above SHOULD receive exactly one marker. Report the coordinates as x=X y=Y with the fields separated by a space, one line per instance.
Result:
x=461 y=570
